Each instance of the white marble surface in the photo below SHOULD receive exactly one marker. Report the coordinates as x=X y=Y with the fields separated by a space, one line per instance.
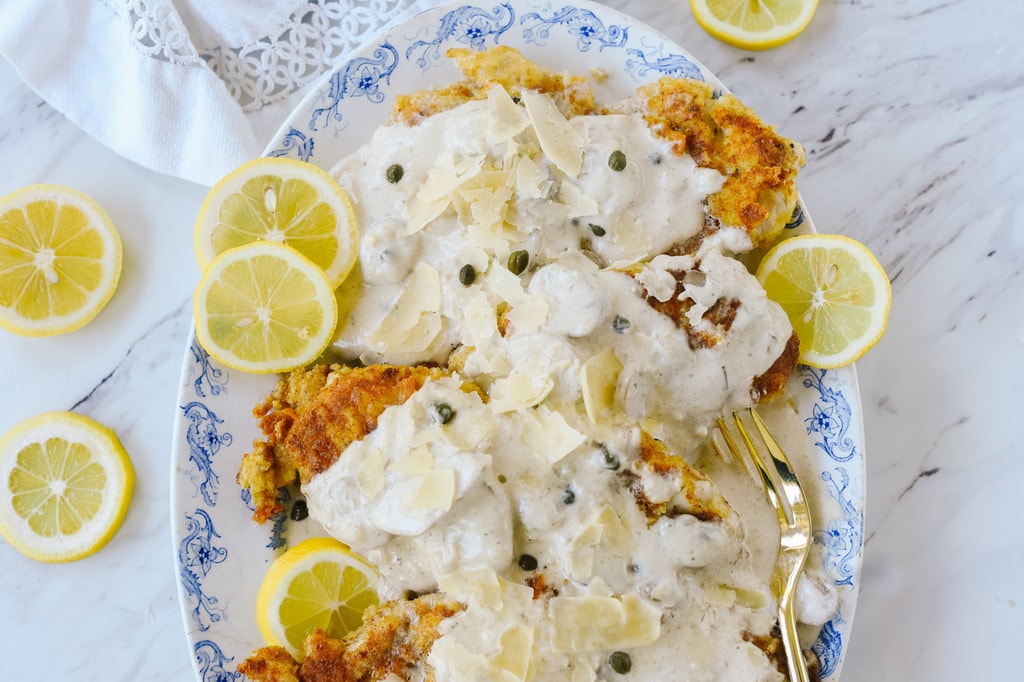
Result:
x=910 y=111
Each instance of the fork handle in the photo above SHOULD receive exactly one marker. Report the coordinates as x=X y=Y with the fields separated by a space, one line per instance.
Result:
x=791 y=642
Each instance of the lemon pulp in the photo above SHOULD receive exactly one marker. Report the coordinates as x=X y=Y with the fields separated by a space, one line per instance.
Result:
x=67 y=483
x=60 y=260
x=264 y=308
x=280 y=200
x=319 y=583
x=754 y=24
x=835 y=293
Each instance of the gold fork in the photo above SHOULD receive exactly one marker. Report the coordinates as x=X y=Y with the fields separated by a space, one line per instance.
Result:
x=794 y=523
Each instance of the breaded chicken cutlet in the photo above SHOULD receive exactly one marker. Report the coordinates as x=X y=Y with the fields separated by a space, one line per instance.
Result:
x=395 y=637
x=716 y=129
x=315 y=414
x=312 y=416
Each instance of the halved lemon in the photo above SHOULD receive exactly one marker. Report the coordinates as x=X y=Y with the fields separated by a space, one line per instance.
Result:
x=60 y=260
x=65 y=485
x=280 y=200
x=264 y=307
x=754 y=24
x=835 y=293
x=319 y=583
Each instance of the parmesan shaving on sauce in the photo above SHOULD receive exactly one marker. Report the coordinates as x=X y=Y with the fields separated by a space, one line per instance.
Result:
x=572 y=358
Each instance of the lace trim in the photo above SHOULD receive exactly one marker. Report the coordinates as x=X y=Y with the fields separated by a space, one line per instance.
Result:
x=157 y=30
x=271 y=68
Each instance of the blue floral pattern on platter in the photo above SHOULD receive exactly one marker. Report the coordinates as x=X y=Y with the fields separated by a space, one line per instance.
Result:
x=197 y=556
x=203 y=443
x=361 y=77
x=641 y=64
x=216 y=542
x=583 y=24
x=211 y=380
x=294 y=140
x=464 y=26
x=211 y=663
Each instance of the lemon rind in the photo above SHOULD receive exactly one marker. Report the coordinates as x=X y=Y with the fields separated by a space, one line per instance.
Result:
x=345 y=231
x=228 y=359
x=107 y=448
x=101 y=295
x=732 y=35
x=855 y=348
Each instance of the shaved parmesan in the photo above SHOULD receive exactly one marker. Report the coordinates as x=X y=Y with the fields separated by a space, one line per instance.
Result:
x=506 y=119
x=413 y=321
x=520 y=389
x=559 y=140
x=516 y=651
x=599 y=377
x=370 y=478
x=546 y=432
x=434 y=490
x=577 y=203
x=418 y=461
x=593 y=623
x=479 y=586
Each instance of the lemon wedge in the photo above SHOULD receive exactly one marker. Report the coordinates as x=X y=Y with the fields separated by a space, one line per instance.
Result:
x=834 y=291
x=319 y=583
x=280 y=200
x=60 y=260
x=264 y=308
x=754 y=24
x=65 y=485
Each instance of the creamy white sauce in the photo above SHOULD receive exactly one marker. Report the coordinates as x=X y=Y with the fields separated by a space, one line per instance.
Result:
x=574 y=362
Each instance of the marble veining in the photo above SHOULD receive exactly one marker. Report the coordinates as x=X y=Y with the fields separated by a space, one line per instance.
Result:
x=910 y=114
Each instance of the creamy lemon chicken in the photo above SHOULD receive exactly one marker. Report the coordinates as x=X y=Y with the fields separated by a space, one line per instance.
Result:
x=547 y=316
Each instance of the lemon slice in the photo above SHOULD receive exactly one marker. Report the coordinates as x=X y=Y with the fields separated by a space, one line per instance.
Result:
x=754 y=24
x=318 y=583
x=60 y=259
x=263 y=308
x=280 y=200
x=835 y=293
x=65 y=485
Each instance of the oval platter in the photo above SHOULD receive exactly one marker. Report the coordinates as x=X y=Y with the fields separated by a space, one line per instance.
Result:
x=221 y=555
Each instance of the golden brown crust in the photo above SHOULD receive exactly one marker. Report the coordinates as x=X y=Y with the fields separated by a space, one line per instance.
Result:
x=694 y=486
x=312 y=416
x=760 y=166
x=772 y=646
x=502 y=65
x=770 y=384
x=719 y=319
x=395 y=638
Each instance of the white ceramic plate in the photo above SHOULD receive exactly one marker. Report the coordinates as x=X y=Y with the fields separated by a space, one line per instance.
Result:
x=221 y=555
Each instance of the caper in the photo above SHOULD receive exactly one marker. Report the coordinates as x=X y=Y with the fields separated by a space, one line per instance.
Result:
x=443 y=412
x=621 y=662
x=467 y=275
x=528 y=562
x=617 y=160
x=394 y=173
x=299 y=510
x=597 y=230
x=517 y=262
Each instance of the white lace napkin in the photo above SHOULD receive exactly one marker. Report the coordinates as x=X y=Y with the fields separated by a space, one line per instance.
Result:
x=191 y=88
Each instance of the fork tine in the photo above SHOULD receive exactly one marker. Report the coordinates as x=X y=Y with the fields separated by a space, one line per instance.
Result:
x=734 y=451
x=794 y=524
x=792 y=491
x=762 y=468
